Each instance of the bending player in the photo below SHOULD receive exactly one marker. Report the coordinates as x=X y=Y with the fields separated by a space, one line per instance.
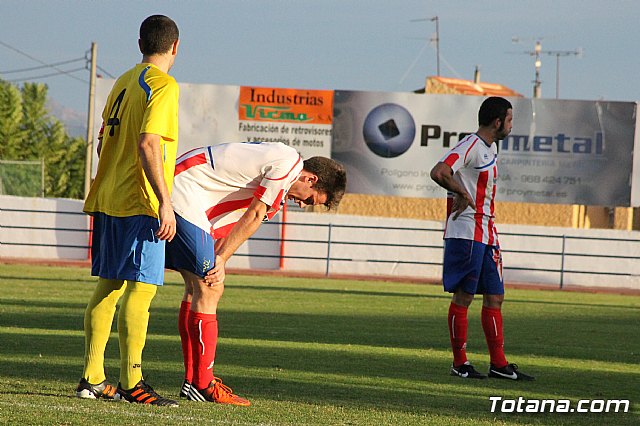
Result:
x=472 y=260
x=221 y=195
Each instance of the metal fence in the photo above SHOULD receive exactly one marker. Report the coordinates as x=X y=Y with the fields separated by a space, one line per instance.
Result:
x=564 y=254
x=349 y=247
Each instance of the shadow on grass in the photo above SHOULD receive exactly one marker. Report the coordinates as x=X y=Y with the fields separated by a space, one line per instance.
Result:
x=363 y=382
x=580 y=337
x=254 y=352
x=340 y=292
x=90 y=280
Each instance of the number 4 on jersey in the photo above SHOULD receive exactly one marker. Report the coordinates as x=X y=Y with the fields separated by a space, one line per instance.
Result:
x=113 y=115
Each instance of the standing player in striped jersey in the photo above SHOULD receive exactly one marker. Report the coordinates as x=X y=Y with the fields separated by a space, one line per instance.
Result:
x=221 y=195
x=472 y=260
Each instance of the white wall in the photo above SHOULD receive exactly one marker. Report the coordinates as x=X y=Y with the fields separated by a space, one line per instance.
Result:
x=359 y=245
x=43 y=228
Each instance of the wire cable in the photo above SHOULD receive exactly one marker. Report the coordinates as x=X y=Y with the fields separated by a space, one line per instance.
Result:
x=51 y=75
x=70 y=61
x=104 y=71
x=60 y=71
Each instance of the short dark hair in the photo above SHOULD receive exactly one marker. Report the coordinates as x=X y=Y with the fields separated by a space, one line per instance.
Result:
x=157 y=35
x=332 y=178
x=492 y=108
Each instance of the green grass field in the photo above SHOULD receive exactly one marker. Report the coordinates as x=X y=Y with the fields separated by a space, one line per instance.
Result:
x=330 y=352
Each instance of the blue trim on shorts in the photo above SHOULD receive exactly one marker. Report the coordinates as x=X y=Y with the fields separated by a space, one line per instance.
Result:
x=191 y=249
x=475 y=267
x=126 y=248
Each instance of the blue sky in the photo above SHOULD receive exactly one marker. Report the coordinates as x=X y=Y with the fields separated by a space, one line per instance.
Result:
x=334 y=44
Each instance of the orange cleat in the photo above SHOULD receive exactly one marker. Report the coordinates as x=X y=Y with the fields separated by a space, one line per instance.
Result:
x=217 y=392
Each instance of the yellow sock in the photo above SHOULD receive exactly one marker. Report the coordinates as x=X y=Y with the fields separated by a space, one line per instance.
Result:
x=98 y=318
x=133 y=320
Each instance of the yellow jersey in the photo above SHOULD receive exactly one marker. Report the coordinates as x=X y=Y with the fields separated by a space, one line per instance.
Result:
x=142 y=100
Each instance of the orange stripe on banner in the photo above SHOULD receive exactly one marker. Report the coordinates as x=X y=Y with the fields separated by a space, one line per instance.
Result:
x=285 y=105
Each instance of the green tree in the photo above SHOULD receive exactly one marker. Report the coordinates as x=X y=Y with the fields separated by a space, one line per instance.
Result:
x=28 y=132
x=11 y=134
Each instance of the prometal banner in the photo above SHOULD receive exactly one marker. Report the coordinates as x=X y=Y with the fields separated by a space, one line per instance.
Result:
x=564 y=152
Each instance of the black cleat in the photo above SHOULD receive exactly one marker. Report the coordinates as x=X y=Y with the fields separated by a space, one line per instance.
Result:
x=184 y=390
x=466 y=371
x=142 y=393
x=103 y=390
x=510 y=372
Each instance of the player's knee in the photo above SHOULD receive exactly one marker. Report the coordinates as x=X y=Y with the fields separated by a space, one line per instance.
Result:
x=462 y=298
x=493 y=300
x=213 y=291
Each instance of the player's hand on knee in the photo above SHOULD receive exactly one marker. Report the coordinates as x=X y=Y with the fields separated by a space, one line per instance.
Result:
x=217 y=274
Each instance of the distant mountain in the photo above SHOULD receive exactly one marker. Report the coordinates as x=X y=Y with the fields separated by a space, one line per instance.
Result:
x=75 y=122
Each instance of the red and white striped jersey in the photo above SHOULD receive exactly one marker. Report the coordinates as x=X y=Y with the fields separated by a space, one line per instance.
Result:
x=214 y=185
x=475 y=166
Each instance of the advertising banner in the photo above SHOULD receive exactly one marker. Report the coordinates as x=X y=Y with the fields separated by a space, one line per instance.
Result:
x=564 y=152
x=213 y=114
x=299 y=118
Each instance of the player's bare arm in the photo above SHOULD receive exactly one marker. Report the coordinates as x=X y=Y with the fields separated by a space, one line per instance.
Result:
x=150 y=152
x=442 y=174
x=246 y=226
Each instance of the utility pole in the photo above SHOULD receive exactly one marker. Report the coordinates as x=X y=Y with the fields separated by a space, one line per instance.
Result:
x=436 y=39
x=537 y=52
x=92 y=94
x=558 y=54
x=537 y=84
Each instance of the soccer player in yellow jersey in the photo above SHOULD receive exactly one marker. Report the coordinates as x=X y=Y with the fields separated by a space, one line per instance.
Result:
x=133 y=218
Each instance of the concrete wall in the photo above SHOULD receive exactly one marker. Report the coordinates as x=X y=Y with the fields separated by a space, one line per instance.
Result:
x=356 y=244
x=413 y=248
x=513 y=213
x=43 y=228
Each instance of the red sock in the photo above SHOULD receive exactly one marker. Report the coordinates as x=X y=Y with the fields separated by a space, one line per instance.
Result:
x=458 y=324
x=204 y=338
x=492 y=326
x=183 y=329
